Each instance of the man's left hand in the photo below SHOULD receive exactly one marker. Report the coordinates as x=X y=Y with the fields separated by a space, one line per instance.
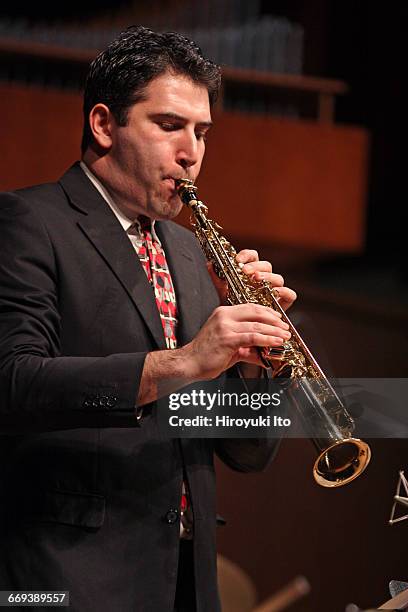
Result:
x=260 y=270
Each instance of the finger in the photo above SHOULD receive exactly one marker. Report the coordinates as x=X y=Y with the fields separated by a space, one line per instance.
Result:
x=257 y=266
x=254 y=313
x=275 y=280
x=250 y=355
x=262 y=328
x=256 y=339
x=247 y=255
x=286 y=297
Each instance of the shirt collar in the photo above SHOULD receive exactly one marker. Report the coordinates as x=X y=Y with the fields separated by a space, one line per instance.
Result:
x=125 y=222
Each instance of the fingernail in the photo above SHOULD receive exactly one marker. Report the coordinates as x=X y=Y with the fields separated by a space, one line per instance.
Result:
x=249 y=268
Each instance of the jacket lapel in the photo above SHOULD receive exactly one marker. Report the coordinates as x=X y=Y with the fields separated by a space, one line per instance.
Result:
x=185 y=276
x=106 y=234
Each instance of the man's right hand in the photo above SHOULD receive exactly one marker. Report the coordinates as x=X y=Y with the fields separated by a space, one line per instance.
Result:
x=230 y=335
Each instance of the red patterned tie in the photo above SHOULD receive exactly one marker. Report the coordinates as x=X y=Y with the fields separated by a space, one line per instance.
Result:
x=153 y=260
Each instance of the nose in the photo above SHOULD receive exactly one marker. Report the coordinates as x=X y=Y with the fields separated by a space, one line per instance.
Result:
x=187 y=151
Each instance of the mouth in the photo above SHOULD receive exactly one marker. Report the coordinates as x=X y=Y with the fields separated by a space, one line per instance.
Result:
x=171 y=181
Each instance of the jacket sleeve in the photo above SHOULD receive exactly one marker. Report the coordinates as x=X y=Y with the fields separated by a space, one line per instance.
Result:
x=39 y=388
x=247 y=454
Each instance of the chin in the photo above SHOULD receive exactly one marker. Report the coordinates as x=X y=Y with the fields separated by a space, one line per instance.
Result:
x=169 y=210
x=172 y=213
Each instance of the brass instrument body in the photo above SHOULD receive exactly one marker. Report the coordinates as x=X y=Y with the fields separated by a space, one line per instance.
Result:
x=341 y=458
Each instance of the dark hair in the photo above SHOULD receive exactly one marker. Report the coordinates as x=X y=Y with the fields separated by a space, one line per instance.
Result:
x=119 y=75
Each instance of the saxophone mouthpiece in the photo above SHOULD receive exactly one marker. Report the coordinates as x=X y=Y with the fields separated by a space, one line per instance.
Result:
x=183 y=181
x=186 y=190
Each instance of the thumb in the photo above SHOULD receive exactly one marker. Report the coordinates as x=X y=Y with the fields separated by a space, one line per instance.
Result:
x=220 y=285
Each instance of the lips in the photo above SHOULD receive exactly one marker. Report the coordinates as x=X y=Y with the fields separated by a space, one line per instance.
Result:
x=171 y=182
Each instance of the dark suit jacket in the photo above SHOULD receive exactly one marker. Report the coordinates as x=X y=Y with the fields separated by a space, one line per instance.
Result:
x=87 y=495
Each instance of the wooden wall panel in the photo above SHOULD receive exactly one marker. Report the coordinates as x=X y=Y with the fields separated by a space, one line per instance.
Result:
x=41 y=134
x=268 y=180
x=294 y=182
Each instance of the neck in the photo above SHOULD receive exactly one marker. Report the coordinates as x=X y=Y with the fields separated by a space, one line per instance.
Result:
x=102 y=167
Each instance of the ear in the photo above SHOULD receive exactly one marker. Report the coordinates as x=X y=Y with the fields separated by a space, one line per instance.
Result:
x=101 y=122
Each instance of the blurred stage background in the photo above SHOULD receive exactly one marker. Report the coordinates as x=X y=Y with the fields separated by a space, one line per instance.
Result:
x=304 y=163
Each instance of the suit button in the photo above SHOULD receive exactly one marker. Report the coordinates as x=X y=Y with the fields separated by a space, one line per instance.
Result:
x=172 y=516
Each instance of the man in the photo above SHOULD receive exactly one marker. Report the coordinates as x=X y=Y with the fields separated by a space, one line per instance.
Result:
x=90 y=491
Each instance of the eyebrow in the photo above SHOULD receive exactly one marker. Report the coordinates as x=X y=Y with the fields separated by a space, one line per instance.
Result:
x=205 y=124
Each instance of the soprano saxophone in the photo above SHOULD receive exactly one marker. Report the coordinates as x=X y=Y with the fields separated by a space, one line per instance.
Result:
x=340 y=457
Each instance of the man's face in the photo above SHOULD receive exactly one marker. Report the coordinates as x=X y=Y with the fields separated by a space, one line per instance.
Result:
x=164 y=140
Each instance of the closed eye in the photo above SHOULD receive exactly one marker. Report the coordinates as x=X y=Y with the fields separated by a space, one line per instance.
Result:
x=167 y=126
x=201 y=135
